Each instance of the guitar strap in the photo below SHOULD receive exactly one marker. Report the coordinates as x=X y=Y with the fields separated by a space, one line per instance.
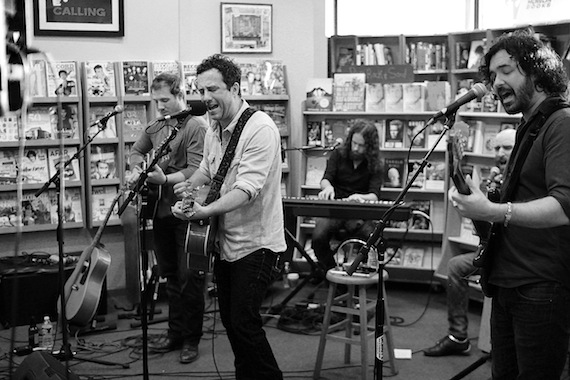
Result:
x=218 y=179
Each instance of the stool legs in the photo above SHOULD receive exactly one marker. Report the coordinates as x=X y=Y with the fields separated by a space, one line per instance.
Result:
x=388 y=336
x=324 y=331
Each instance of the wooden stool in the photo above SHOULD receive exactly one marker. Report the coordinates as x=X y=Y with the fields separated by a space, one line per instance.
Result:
x=349 y=311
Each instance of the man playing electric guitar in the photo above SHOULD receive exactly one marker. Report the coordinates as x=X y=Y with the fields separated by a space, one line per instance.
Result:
x=460 y=267
x=184 y=288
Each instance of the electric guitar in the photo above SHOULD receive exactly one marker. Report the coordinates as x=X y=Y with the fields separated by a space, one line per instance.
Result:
x=483 y=229
x=199 y=245
x=82 y=289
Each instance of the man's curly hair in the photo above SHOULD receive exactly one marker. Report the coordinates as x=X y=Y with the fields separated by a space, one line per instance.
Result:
x=370 y=133
x=231 y=73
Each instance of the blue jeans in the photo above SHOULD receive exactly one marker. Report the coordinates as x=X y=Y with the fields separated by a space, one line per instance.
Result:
x=241 y=289
x=458 y=268
x=184 y=288
x=326 y=229
x=530 y=328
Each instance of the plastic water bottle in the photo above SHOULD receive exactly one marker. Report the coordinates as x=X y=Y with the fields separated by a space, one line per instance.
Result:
x=33 y=334
x=286 y=270
x=46 y=334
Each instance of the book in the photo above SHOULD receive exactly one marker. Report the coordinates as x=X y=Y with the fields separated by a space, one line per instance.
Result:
x=35 y=210
x=8 y=167
x=393 y=254
x=462 y=54
x=413 y=98
x=103 y=159
x=394 y=172
x=394 y=133
x=277 y=112
x=62 y=80
x=348 y=92
x=393 y=94
x=438 y=95
x=413 y=257
x=489 y=103
x=434 y=132
x=38 y=77
x=489 y=133
x=476 y=52
x=165 y=66
x=284 y=154
x=375 y=101
x=467 y=231
x=189 y=75
x=38 y=124
x=415 y=134
x=250 y=83
x=8 y=209
x=9 y=129
x=101 y=199
x=135 y=77
x=420 y=180
x=65 y=124
x=314 y=133
x=475 y=138
x=272 y=77
x=417 y=220
x=338 y=127
x=35 y=166
x=55 y=159
x=100 y=78
x=316 y=166
x=72 y=210
x=96 y=113
x=435 y=175
x=319 y=94
x=328 y=138
x=134 y=120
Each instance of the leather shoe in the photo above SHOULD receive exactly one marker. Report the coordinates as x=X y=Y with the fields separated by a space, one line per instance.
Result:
x=448 y=346
x=166 y=344
x=189 y=353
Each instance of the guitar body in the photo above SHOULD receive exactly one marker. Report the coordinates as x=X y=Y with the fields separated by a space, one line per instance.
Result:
x=86 y=291
x=199 y=246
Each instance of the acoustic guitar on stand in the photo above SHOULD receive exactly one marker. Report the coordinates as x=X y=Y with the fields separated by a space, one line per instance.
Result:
x=82 y=290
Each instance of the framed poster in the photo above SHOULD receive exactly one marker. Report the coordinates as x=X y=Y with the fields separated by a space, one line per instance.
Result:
x=90 y=18
x=246 y=28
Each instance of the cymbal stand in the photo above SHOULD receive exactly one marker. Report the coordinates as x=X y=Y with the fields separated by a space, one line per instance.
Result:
x=376 y=239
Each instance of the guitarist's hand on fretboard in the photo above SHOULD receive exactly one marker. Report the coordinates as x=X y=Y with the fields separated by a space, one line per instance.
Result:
x=473 y=205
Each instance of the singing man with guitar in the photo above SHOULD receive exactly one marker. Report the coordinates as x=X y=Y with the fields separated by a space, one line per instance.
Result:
x=460 y=267
x=526 y=268
x=184 y=289
x=246 y=212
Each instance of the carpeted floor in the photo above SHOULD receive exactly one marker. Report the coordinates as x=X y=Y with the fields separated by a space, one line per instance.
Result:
x=418 y=318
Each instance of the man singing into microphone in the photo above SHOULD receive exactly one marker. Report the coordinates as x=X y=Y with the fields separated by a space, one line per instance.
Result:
x=460 y=267
x=354 y=173
x=184 y=288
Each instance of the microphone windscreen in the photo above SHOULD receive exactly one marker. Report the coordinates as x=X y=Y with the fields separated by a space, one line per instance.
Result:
x=197 y=108
x=118 y=108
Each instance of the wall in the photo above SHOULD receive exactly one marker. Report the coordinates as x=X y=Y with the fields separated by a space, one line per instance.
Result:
x=187 y=30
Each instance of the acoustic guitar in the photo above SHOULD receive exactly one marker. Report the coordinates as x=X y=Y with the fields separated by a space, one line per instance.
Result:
x=82 y=290
x=200 y=235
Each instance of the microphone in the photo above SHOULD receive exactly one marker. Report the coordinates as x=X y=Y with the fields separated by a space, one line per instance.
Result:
x=477 y=91
x=495 y=171
x=194 y=109
x=103 y=121
x=338 y=142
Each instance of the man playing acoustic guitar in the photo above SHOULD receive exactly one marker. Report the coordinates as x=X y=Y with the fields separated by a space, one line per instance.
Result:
x=184 y=289
x=248 y=213
x=460 y=267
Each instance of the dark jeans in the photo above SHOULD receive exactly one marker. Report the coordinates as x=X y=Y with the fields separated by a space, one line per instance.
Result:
x=326 y=229
x=458 y=268
x=184 y=288
x=530 y=328
x=241 y=288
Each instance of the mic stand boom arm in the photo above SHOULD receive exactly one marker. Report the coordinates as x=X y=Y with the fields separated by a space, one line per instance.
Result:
x=376 y=239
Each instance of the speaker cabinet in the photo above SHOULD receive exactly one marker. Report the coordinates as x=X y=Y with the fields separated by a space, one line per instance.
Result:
x=42 y=366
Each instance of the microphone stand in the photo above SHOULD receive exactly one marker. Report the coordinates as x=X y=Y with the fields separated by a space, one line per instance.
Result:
x=139 y=188
x=376 y=239
x=65 y=352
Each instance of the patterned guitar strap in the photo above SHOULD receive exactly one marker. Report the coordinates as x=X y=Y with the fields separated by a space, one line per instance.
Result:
x=218 y=179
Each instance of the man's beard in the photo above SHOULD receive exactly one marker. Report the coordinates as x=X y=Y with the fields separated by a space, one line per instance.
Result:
x=356 y=156
x=522 y=97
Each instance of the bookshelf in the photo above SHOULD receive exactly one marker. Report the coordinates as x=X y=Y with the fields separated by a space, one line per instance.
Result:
x=434 y=58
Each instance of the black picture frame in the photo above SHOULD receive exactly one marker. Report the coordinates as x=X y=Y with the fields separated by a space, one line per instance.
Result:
x=246 y=28
x=81 y=18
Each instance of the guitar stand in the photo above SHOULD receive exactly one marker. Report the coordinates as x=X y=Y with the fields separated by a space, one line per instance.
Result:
x=316 y=272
